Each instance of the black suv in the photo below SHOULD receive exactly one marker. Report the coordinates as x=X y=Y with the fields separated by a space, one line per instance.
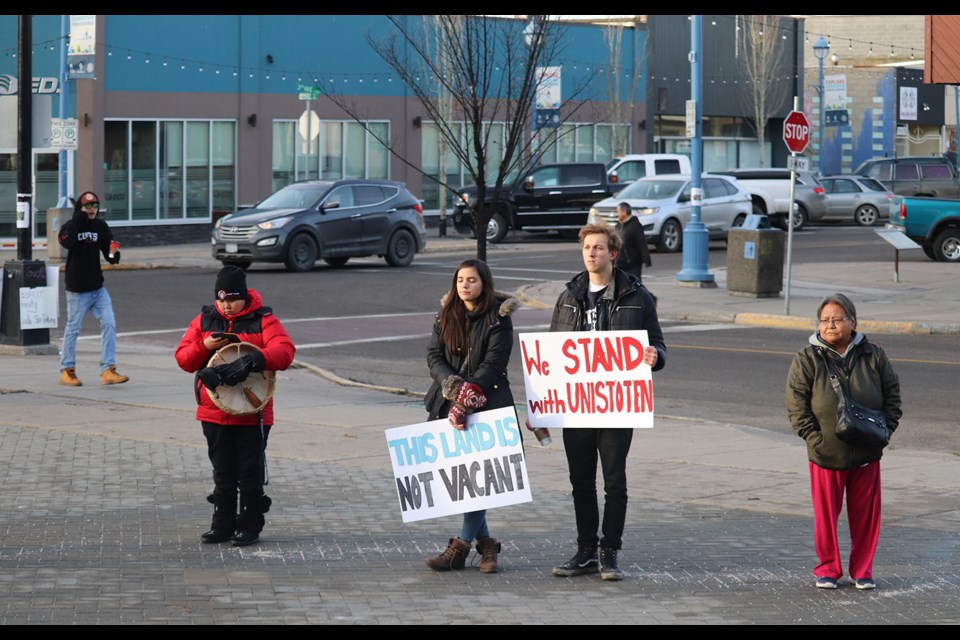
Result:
x=930 y=176
x=548 y=197
x=330 y=219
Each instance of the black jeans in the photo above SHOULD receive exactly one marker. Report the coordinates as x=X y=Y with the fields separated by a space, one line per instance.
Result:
x=237 y=455
x=582 y=447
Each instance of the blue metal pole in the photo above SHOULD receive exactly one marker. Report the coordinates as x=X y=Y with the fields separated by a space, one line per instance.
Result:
x=62 y=203
x=820 y=163
x=696 y=240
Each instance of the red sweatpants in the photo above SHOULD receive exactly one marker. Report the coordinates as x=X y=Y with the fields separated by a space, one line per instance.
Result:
x=862 y=486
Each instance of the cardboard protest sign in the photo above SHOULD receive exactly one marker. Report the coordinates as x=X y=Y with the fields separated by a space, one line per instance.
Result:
x=440 y=471
x=590 y=379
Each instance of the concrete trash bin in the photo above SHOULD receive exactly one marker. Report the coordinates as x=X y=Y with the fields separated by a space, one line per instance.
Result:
x=755 y=259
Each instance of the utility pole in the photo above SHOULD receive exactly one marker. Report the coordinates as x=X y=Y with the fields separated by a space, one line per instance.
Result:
x=24 y=273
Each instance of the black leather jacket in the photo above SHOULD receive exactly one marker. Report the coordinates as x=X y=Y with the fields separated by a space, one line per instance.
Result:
x=626 y=305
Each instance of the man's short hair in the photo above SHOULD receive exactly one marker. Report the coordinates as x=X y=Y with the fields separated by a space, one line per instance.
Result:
x=613 y=238
x=626 y=208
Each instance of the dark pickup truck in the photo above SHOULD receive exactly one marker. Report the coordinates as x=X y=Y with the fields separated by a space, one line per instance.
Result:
x=933 y=223
x=549 y=197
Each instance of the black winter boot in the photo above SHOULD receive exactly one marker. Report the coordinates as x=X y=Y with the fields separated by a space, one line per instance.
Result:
x=250 y=521
x=224 y=521
x=584 y=562
x=609 y=566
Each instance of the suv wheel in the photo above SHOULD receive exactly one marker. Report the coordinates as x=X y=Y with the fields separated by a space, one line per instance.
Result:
x=496 y=228
x=301 y=253
x=800 y=217
x=946 y=248
x=928 y=251
x=671 y=236
x=401 y=248
x=867 y=215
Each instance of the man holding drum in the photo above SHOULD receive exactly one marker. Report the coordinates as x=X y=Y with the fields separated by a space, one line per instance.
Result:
x=235 y=343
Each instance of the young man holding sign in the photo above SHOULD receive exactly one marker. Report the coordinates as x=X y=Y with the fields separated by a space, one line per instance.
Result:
x=603 y=298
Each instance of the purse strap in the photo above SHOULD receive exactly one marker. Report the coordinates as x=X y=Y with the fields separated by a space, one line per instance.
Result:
x=835 y=381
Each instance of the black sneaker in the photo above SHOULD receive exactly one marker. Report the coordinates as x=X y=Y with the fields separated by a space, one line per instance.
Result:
x=609 y=570
x=584 y=562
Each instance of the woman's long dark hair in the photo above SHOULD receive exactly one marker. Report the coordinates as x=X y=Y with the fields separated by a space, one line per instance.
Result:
x=454 y=327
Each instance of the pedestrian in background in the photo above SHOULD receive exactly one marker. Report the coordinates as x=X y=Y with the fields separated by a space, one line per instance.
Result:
x=835 y=466
x=468 y=354
x=85 y=237
x=634 y=253
x=235 y=443
x=603 y=298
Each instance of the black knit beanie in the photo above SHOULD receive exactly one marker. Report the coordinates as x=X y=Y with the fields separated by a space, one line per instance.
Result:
x=231 y=284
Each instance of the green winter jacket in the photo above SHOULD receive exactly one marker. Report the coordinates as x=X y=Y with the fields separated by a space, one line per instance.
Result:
x=812 y=403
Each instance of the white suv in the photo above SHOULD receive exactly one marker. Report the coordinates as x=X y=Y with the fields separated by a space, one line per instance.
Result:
x=662 y=204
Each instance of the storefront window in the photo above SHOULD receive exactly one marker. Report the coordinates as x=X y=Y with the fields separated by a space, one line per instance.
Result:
x=198 y=169
x=331 y=150
x=116 y=174
x=223 y=158
x=171 y=170
x=143 y=184
x=355 y=157
x=378 y=157
x=284 y=154
x=8 y=195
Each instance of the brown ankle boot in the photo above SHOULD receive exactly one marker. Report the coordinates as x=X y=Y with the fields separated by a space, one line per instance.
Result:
x=488 y=548
x=452 y=558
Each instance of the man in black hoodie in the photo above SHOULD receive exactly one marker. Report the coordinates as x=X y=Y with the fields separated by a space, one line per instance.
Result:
x=85 y=237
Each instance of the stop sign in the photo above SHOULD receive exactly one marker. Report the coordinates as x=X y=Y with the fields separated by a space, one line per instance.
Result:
x=796 y=131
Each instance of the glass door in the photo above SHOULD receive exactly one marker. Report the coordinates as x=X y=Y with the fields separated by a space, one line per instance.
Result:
x=46 y=191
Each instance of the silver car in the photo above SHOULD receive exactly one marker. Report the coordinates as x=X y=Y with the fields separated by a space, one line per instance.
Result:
x=865 y=200
x=662 y=204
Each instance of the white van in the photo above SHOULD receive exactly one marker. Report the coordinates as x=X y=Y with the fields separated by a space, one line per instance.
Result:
x=625 y=169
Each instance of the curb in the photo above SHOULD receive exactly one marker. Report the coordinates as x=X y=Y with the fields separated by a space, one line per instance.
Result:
x=344 y=382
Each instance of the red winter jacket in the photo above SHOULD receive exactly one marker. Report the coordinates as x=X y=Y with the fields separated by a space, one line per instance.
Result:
x=257 y=325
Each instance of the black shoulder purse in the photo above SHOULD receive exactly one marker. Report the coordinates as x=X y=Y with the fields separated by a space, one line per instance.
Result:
x=857 y=425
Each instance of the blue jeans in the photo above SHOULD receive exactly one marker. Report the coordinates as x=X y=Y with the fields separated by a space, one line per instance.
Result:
x=474 y=526
x=78 y=304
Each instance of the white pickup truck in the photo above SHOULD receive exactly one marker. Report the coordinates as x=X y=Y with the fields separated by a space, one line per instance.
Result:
x=770 y=191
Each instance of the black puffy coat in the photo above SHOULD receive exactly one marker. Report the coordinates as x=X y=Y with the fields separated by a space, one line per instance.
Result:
x=484 y=364
x=626 y=305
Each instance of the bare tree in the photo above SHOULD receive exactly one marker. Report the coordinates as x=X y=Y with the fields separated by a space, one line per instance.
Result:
x=621 y=110
x=761 y=53
x=489 y=70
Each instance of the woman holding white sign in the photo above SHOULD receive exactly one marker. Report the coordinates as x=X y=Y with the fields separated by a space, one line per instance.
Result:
x=468 y=355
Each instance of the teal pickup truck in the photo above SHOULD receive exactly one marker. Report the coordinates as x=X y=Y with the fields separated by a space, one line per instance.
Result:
x=933 y=223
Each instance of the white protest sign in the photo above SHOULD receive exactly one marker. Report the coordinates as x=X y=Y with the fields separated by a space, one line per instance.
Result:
x=587 y=379
x=440 y=471
x=39 y=308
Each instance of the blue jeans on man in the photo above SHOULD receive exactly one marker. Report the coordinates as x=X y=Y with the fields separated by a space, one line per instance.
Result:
x=78 y=305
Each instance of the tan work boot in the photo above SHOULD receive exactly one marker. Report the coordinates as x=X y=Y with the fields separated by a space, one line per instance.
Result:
x=110 y=376
x=453 y=557
x=69 y=378
x=488 y=548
